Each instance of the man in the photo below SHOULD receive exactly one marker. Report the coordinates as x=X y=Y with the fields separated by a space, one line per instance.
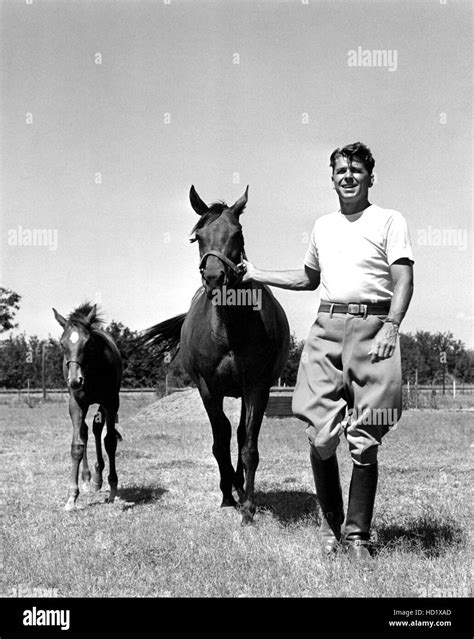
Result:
x=349 y=378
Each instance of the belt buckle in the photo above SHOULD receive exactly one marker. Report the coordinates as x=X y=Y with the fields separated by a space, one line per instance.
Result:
x=357 y=309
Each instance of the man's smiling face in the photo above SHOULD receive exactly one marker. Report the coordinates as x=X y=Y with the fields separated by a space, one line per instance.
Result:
x=351 y=179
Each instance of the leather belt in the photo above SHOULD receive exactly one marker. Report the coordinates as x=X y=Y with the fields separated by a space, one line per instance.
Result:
x=355 y=309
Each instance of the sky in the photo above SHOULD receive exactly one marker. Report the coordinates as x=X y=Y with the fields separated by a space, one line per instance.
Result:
x=110 y=111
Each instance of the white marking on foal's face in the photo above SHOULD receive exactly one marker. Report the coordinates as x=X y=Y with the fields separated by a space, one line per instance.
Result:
x=74 y=337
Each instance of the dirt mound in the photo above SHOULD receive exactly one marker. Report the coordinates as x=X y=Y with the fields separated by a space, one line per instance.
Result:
x=185 y=404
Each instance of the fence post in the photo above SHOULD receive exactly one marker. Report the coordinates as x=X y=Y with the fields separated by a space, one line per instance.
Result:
x=43 y=369
x=454 y=388
x=416 y=388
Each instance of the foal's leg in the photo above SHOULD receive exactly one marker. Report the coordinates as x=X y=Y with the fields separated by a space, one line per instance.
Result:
x=86 y=473
x=255 y=403
x=78 y=445
x=110 y=442
x=221 y=432
x=97 y=427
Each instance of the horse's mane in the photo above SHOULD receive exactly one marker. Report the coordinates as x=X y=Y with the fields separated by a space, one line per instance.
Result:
x=214 y=211
x=79 y=316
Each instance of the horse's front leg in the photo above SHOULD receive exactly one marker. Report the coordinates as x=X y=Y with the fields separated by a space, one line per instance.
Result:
x=221 y=432
x=86 y=473
x=255 y=402
x=241 y=435
x=78 y=445
x=110 y=442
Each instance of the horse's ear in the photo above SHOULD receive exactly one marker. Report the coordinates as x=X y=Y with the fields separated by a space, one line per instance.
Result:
x=92 y=313
x=59 y=318
x=198 y=205
x=239 y=206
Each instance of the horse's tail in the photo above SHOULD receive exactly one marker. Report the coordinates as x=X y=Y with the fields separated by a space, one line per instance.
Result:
x=164 y=337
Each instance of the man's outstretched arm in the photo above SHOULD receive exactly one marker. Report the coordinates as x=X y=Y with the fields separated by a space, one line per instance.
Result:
x=306 y=279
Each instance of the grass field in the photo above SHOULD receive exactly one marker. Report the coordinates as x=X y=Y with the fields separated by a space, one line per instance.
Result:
x=167 y=537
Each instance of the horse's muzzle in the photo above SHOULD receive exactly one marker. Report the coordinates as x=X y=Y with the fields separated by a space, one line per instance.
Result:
x=75 y=378
x=76 y=384
x=218 y=270
x=213 y=280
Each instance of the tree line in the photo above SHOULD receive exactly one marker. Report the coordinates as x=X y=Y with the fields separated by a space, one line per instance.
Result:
x=21 y=363
x=426 y=357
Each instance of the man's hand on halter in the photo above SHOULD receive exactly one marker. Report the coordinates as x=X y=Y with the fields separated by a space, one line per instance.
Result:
x=384 y=342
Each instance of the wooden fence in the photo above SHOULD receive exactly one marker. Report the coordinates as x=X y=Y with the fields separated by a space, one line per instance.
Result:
x=279 y=402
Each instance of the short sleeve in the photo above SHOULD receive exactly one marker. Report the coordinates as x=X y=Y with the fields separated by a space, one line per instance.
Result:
x=398 y=244
x=311 y=258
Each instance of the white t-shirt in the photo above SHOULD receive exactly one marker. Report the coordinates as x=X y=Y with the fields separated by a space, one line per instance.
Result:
x=354 y=254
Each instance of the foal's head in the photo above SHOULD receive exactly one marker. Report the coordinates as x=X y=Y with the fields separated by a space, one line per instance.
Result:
x=76 y=341
x=221 y=243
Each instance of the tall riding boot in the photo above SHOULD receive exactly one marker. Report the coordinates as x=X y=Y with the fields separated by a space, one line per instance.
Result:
x=328 y=490
x=360 y=510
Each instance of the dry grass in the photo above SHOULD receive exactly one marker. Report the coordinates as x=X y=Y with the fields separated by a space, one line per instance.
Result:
x=168 y=537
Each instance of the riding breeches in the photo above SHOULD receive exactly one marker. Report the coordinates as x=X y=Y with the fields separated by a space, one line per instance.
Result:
x=340 y=391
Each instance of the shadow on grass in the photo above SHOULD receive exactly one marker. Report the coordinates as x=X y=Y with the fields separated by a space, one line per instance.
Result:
x=289 y=506
x=433 y=537
x=136 y=495
x=126 y=497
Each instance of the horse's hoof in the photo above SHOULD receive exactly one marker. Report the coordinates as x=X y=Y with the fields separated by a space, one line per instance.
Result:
x=247 y=520
x=228 y=503
x=111 y=498
x=86 y=487
x=70 y=505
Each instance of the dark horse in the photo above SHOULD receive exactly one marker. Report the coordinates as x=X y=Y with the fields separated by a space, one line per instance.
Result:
x=92 y=368
x=233 y=343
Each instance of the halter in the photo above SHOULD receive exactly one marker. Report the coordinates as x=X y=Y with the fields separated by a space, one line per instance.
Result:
x=237 y=270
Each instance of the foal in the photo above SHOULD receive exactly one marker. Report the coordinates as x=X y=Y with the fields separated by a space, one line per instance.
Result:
x=92 y=368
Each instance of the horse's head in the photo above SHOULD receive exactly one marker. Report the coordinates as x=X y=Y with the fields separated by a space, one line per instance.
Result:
x=221 y=243
x=76 y=342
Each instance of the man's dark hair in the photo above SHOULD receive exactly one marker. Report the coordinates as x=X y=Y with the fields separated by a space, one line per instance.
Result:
x=357 y=151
